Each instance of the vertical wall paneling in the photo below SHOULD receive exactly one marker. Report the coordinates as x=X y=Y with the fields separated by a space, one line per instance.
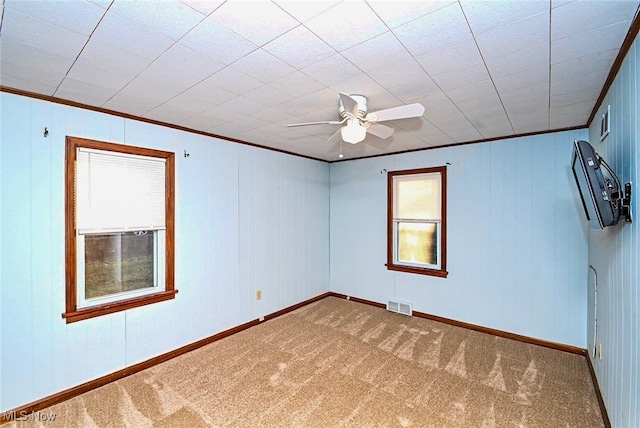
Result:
x=244 y=217
x=516 y=245
x=614 y=253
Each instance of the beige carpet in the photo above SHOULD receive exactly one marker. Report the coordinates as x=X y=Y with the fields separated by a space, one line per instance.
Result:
x=337 y=363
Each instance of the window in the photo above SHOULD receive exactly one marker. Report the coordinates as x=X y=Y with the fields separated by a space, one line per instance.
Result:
x=416 y=225
x=119 y=215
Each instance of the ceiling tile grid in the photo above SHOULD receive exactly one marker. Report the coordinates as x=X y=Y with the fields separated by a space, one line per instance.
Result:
x=244 y=69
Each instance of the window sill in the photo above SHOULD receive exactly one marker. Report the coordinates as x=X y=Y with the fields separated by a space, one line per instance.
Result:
x=417 y=270
x=96 y=311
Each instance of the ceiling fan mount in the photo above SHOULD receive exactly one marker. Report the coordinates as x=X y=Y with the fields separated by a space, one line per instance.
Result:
x=358 y=121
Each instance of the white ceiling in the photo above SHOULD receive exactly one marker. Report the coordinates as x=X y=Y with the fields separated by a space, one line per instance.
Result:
x=243 y=70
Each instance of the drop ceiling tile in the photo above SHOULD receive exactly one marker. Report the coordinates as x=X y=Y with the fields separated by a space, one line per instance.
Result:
x=172 y=19
x=161 y=77
x=528 y=123
x=186 y=102
x=465 y=76
x=41 y=34
x=367 y=55
x=347 y=24
x=585 y=95
x=25 y=85
x=267 y=95
x=459 y=54
x=578 y=17
x=234 y=81
x=200 y=122
x=586 y=80
x=527 y=99
x=395 y=14
x=488 y=15
x=31 y=73
x=14 y=51
x=183 y=59
x=216 y=41
x=407 y=80
x=242 y=106
x=332 y=70
x=600 y=61
x=272 y=114
x=296 y=84
x=78 y=16
x=168 y=113
x=518 y=61
x=98 y=76
x=303 y=11
x=98 y=54
x=241 y=18
x=589 y=42
x=205 y=7
x=203 y=93
x=473 y=97
x=528 y=32
x=566 y=116
x=490 y=122
x=438 y=29
x=299 y=48
x=142 y=93
x=129 y=104
x=83 y=92
x=127 y=35
x=523 y=79
x=263 y=66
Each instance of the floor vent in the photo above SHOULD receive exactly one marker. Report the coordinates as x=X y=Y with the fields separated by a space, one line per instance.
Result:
x=403 y=308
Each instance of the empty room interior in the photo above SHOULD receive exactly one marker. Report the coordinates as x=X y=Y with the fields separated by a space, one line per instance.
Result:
x=214 y=204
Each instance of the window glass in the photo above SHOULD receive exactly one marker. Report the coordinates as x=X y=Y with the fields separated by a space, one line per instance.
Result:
x=119 y=262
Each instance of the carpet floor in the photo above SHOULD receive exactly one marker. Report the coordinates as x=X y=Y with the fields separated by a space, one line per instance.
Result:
x=338 y=363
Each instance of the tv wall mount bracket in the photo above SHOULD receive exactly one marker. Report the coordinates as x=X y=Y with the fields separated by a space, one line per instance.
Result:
x=622 y=201
x=625 y=206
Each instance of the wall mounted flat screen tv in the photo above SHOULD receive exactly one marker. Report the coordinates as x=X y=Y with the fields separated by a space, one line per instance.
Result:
x=599 y=194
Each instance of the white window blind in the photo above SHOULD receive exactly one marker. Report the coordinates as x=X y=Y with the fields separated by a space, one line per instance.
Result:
x=417 y=197
x=118 y=192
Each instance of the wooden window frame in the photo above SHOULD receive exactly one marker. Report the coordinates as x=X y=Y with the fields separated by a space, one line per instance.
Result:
x=72 y=312
x=391 y=264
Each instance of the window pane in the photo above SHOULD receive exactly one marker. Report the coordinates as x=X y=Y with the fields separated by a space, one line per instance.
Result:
x=418 y=197
x=118 y=262
x=418 y=243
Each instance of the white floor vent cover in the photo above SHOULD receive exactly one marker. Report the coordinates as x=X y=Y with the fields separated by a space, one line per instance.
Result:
x=403 y=308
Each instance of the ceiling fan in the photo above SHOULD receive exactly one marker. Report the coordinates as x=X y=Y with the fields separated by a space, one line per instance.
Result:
x=357 y=121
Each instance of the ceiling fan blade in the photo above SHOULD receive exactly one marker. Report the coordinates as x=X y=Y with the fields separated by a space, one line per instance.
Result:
x=327 y=122
x=349 y=103
x=401 y=112
x=381 y=131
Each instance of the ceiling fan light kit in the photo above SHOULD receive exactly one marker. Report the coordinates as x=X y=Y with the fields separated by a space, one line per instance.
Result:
x=353 y=112
x=353 y=133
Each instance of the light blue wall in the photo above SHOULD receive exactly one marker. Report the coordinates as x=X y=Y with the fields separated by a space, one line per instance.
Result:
x=516 y=245
x=615 y=255
x=246 y=219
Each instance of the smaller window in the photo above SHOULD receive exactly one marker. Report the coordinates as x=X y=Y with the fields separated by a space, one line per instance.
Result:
x=416 y=225
x=119 y=227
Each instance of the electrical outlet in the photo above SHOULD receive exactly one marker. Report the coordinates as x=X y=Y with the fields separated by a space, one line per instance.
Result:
x=258 y=294
x=261 y=318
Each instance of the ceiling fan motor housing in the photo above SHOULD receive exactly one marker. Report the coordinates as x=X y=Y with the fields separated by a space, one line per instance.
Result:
x=362 y=107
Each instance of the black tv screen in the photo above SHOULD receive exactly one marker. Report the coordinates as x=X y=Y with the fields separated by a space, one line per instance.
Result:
x=599 y=205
